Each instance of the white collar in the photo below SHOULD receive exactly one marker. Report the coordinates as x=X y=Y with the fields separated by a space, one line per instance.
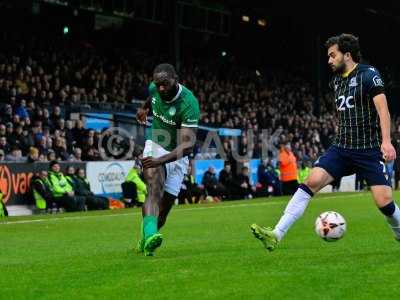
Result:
x=177 y=94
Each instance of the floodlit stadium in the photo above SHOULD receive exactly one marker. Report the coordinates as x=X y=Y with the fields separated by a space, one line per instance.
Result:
x=164 y=149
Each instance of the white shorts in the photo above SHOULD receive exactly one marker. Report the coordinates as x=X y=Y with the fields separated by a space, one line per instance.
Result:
x=176 y=170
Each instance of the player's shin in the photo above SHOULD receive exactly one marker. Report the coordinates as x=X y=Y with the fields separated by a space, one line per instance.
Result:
x=294 y=210
x=392 y=213
x=150 y=226
x=166 y=203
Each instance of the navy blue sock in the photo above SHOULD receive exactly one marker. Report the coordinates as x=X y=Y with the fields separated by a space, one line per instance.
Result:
x=306 y=189
x=388 y=210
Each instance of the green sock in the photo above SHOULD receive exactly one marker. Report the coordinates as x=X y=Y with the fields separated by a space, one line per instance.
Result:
x=149 y=226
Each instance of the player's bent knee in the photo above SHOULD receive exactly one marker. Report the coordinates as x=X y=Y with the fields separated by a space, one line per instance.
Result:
x=382 y=195
x=314 y=183
x=318 y=179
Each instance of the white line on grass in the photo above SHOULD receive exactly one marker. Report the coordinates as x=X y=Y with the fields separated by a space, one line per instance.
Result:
x=176 y=210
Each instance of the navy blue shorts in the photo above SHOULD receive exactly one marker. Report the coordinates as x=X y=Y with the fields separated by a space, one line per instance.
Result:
x=367 y=163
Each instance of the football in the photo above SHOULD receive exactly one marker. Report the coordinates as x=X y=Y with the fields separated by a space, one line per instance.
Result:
x=330 y=226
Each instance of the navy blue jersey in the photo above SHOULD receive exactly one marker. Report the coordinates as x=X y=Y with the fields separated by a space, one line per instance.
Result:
x=358 y=120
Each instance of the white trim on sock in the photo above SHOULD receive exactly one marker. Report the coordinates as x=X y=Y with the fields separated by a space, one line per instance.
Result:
x=394 y=221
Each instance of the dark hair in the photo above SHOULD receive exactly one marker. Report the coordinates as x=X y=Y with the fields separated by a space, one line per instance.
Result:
x=346 y=43
x=54 y=162
x=166 y=68
x=78 y=169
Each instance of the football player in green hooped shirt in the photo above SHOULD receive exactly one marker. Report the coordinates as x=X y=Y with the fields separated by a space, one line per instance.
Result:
x=170 y=140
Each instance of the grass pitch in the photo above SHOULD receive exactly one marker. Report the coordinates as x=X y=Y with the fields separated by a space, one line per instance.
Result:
x=208 y=253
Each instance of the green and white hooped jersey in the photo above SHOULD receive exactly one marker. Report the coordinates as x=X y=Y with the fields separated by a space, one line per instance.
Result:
x=182 y=111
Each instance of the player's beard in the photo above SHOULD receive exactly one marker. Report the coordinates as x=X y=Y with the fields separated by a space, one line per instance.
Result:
x=168 y=96
x=340 y=68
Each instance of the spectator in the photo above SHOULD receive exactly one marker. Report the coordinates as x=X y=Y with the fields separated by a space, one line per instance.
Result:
x=10 y=129
x=7 y=116
x=390 y=171
x=288 y=169
x=3 y=131
x=79 y=133
x=46 y=121
x=15 y=155
x=190 y=192
x=17 y=139
x=77 y=156
x=211 y=185
x=62 y=191
x=41 y=192
x=2 y=156
x=134 y=190
x=22 y=111
x=69 y=136
x=304 y=172
x=60 y=149
x=70 y=176
x=33 y=155
x=41 y=145
x=83 y=189
x=227 y=182
x=51 y=155
x=268 y=179
x=4 y=145
x=92 y=154
x=246 y=190
x=56 y=115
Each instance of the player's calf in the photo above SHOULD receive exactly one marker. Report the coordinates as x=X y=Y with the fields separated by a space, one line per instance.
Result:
x=392 y=214
x=165 y=206
x=383 y=199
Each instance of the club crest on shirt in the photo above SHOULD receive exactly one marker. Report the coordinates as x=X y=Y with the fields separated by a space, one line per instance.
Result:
x=353 y=82
x=172 y=111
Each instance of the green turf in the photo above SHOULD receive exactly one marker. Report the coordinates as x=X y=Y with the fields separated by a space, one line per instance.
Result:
x=208 y=253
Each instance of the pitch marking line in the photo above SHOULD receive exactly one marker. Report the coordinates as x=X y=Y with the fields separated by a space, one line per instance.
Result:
x=177 y=210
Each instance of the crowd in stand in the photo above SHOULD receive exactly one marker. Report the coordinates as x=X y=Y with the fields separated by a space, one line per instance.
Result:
x=38 y=86
x=70 y=191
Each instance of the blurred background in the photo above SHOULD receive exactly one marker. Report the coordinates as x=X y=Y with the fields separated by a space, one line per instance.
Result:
x=71 y=70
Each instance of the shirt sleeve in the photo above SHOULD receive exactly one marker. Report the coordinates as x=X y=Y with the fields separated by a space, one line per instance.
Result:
x=152 y=89
x=191 y=114
x=373 y=83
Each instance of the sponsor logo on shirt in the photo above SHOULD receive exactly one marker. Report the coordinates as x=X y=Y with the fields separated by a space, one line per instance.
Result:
x=353 y=82
x=164 y=119
x=377 y=81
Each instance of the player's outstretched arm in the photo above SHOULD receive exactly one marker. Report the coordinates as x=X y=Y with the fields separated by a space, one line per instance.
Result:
x=388 y=151
x=187 y=139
